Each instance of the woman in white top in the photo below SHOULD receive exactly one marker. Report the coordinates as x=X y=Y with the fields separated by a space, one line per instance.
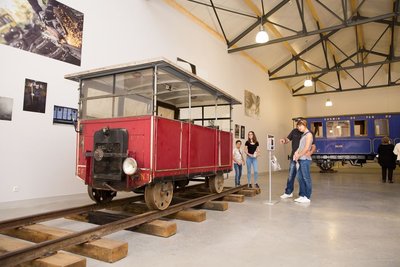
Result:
x=238 y=161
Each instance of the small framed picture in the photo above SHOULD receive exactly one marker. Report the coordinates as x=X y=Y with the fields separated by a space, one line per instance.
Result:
x=242 y=132
x=35 y=96
x=6 y=106
x=65 y=115
x=237 y=131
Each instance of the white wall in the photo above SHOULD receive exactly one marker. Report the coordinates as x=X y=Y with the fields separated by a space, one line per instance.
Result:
x=38 y=156
x=380 y=100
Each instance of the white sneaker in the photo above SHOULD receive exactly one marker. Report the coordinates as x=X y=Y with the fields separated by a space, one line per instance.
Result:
x=286 y=195
x=304 y=200
x=298 y=199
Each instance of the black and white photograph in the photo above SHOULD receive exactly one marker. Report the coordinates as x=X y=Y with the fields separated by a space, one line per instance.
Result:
x=35 y=96
x=242 y=132
x=237 y=130
x=6 y=105
x=48 y=28
x=251 y=104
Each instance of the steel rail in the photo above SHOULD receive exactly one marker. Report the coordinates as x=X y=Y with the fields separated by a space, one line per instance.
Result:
x=45 y=248
x=45 y=216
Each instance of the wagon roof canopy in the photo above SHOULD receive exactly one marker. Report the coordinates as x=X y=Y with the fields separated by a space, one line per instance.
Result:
x=172 y=82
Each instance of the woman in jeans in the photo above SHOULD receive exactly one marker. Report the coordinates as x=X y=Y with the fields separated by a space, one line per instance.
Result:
x=252 y=152
x=303 y=159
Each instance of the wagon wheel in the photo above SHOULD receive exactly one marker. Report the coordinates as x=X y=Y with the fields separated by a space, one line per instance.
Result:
x=101 y=196
x=158 y=195
x=216 y=183
x=326 y=166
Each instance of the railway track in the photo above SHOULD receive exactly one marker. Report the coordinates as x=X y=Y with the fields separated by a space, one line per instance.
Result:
x=49 y=247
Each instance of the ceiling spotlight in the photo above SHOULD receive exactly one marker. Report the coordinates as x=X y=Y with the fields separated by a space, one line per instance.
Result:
x=308 y=82
x=262 y=36
x=328 y=103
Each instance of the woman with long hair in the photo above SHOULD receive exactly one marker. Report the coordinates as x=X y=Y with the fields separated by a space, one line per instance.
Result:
x=252 y=152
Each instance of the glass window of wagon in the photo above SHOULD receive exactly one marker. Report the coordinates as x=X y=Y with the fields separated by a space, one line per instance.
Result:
x=337 y=129
x=316 y=128
x=360 y=128
x=381 y=127
x=121 y=95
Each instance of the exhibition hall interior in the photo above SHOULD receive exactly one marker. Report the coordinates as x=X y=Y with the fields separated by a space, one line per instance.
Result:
x=200 y=133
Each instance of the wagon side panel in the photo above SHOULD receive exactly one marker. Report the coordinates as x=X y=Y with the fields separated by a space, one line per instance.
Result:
x=202 y=148
x=168 y=145
x=225 y=150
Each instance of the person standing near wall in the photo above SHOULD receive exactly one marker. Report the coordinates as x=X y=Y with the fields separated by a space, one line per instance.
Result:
x=302 y=157
x=387 y=159
x=294 y=136
x=238 y=161
x=252 y=152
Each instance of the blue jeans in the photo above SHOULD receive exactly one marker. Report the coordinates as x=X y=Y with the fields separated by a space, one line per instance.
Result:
x=238 y=173
x=304 y=178
x=252 y=161
x=292 y=175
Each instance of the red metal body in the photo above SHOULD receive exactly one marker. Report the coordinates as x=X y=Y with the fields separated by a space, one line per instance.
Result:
x=163 y=149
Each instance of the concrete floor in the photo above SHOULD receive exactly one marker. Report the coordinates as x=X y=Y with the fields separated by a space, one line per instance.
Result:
x=353 y=220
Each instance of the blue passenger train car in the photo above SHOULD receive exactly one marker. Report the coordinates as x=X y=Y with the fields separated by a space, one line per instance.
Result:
x=351 y=138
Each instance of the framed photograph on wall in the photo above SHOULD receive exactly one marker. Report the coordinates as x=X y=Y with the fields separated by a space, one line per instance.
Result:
x=35 y=94
x=242 y=132
x=237 y=131
x=6 y=105
x=65 y=115
x=251 y=104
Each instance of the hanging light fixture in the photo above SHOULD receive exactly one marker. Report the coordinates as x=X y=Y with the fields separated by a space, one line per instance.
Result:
x=262 y=36
x=328 y=103
x=308 y=82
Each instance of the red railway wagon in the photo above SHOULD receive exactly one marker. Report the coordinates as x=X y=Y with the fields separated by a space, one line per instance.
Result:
x=150 y=127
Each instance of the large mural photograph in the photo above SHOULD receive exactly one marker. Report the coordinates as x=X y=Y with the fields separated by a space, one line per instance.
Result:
x=44 y=27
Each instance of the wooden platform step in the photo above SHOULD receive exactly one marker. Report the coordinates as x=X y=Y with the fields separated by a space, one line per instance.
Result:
x=60 y=259
x=103 y=249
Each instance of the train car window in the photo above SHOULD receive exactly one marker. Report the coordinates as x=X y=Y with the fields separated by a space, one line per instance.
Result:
x=195 y=113
x=360 y=128
x=166 y=112
x=337 y=129
x=96 y=87
x=381 y=127
x=316 y=128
